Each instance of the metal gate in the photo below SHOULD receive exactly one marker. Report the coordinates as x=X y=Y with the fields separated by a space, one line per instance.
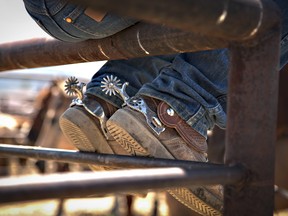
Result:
x=251 y=31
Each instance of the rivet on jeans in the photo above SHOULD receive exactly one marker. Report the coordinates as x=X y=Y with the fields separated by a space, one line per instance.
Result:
x=68 y=19
x=170 y=112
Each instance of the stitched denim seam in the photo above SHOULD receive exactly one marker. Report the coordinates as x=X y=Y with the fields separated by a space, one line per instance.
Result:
x=197 y=116
x=59 y=28
x=38 y=10
x=76 y=13
x=58 y=7
x=102 y=35
x=215 y=110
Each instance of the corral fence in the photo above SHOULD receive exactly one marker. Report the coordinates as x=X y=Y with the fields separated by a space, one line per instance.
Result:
x=251 y=31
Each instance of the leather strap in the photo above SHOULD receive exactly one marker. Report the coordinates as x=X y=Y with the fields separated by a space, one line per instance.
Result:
x=191 y=137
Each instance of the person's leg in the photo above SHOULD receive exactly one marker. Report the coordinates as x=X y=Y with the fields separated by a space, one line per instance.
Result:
x=169 y=118
x=84 y=123
x=102 y=106
x=195 y=86
x=191 y=88
x=77 y=124
x=71 y=23
x=135 y=71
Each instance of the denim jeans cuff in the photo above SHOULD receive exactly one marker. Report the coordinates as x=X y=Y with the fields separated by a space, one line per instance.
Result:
x=197 y=121
x=202 y=120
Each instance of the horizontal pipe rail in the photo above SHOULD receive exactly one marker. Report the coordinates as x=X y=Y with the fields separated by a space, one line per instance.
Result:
x=142 y=39
x=117 y=161
x=230 y=20
x=83 y=184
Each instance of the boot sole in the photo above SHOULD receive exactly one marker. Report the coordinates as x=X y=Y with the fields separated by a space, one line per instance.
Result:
x=81 y=130
x=84 y=134
x=130 y=141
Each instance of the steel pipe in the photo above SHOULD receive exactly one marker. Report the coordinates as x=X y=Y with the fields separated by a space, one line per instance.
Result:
x=117 y=161
x=231 y=20
x=139 y=40
x=74 y=185
x=251 y=125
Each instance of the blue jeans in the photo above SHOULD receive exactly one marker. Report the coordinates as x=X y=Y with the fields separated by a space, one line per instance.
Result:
x=193 y=84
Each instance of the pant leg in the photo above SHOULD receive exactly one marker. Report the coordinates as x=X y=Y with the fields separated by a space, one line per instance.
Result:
x=195 y=86
x=137 y=72
x=69 y=22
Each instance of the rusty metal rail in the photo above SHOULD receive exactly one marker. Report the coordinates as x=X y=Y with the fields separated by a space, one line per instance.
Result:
x=140 y=40
x=218 y=22
x=231 y=20
x=251 y=30
x=117 y=161
x=83 y=184
x=251 y=125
